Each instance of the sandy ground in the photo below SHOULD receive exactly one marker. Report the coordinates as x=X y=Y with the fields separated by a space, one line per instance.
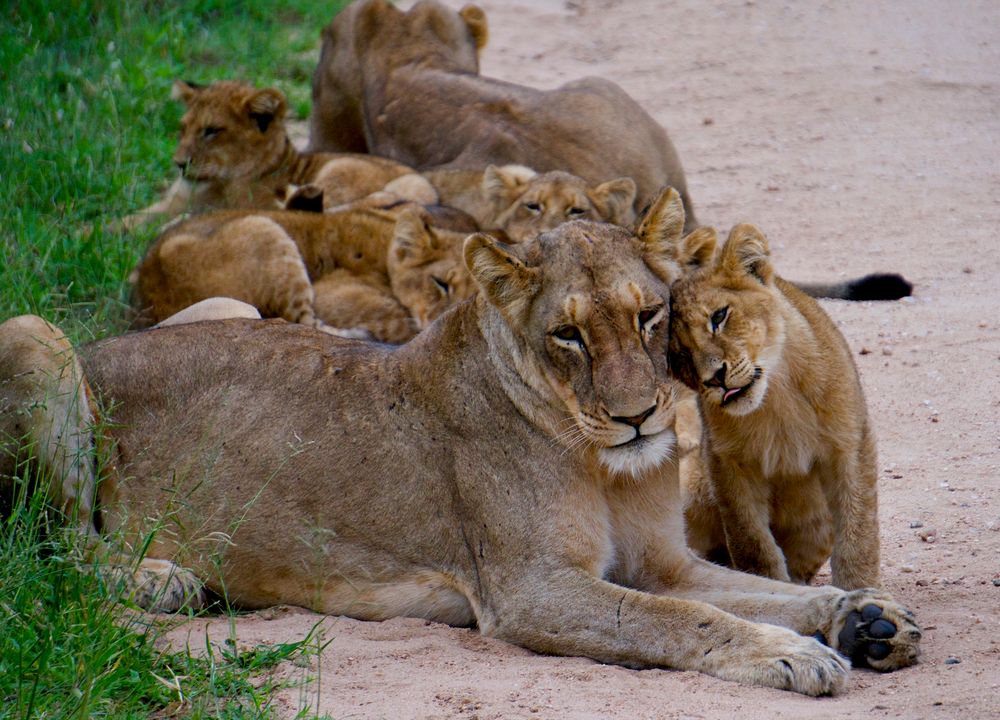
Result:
x=860 y=136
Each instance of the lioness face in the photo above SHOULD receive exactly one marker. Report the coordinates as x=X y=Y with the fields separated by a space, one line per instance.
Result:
x=591 y=304
x=545 y=201
x=726 y=334
x=426 y=270
x=230 y=130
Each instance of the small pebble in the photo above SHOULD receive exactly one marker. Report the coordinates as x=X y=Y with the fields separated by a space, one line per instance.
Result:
x=907 y=568
x=996 y=582
x=967 y=270
x=708 y=121
x=887 y=350
x=952 y=660
x=864 y=351
x=928 y=535
x=916 y=524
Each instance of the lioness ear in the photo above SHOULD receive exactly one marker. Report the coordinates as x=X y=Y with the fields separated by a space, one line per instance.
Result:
x=475 y=20
x=747 y=252
x=697 y=248
x=660 y=232
x=185 y=91
x=506 y=182
x=502 y=277
x=614 y=200
x=265 y=106
x=413 y=239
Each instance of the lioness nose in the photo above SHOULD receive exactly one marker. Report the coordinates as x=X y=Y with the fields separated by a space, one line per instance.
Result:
x=635 y=420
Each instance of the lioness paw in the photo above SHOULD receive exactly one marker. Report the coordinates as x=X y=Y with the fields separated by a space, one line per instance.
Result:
x=158 y=586
x=875 y=631
x=787 y=661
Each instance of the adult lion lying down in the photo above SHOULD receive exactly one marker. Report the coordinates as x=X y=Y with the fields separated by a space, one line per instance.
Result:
x=509 y=467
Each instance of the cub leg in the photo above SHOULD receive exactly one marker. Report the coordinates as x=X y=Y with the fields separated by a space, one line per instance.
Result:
x=852 y=494
x=744 y=504
x=177 y=199
x=569 y=612
x=366 y=303
x=46 y=408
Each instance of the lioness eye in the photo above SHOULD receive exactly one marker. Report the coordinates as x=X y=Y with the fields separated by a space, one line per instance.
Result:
x=575 y=211
x=211 y=132
x=569 y=334
x=533 y=206
x=719 y=317
x=444 y=287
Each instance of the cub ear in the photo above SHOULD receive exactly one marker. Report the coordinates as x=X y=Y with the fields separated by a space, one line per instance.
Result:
x=304 y=197
x=412 y=240
x=614 y=200
x=747 y=252
x=265 y=106
x=185 y=91
x=660 y=231
x=475 y=20
x=506 y=182
x=697 y=248
x=502 y=277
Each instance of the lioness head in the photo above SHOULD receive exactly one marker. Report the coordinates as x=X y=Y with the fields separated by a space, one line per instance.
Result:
x=529 y=203
x=726 y=333
x=587 y=308
x=230 y=130
x=426 y=270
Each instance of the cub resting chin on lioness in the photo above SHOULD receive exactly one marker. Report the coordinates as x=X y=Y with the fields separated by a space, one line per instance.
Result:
x=509 y=467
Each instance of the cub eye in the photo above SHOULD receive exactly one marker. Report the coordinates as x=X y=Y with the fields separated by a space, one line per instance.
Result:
x=648 y=315
x=576 y=211
x=568 y=333
x=719 y=317
x=211 y=132
x=441 y=285
x=533 y=206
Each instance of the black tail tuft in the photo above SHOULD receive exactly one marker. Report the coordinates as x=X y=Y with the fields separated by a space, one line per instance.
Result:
x=879 y=286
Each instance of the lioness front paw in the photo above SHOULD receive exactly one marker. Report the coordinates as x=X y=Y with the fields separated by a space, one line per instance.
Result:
x=158 y=585
x=875 y=631
x=785 y=660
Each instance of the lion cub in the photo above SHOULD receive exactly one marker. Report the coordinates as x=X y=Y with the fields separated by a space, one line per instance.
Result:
x=386 y=272
x=791 y=466
x=524 y=203
x=234 y=152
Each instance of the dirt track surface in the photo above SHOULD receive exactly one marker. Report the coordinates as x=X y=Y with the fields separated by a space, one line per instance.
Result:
x=859 y=136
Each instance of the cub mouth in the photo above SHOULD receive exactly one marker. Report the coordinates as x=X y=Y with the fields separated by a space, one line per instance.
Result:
x=731 y=394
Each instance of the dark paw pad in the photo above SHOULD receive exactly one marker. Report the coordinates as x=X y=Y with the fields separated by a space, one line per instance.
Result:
x=861 y=638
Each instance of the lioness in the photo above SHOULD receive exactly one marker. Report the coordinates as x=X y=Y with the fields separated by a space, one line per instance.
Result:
x=386 y=272
x=406 y=85
x=792 y=466
x=524 y=203
x=234 y=152
x=509 y=467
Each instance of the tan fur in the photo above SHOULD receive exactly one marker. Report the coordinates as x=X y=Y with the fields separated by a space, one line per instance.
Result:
x=326 y=270
x=523 y=203
x=792 y=467
x=234 y=152
x=405 y=85
x=509 y=467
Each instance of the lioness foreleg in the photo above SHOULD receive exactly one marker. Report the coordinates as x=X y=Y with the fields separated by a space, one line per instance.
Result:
x=572 y=613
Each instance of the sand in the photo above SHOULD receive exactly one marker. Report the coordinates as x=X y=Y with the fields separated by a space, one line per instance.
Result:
x=860 y=137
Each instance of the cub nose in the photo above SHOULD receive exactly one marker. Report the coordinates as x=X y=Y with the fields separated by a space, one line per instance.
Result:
x=635 y=420
x=719 y=379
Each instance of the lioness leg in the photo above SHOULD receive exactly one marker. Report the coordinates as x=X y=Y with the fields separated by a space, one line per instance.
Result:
x=45 y=409
x=573 y=613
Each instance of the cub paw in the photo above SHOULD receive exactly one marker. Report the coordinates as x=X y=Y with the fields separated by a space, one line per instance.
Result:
x=875 y=631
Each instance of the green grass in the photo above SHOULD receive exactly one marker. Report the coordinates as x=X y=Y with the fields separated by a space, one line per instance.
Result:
x=87 y=131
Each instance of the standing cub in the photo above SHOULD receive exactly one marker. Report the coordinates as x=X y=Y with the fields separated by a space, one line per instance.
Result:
x=791 y=456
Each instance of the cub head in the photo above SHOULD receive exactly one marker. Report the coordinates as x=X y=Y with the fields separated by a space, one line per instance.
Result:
x=528 y=203
x=727 y=333
x=582 y=312
x=230 y=130
x=425 y=266
x=376 y=35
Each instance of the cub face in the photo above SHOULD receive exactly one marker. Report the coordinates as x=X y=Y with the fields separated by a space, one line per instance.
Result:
x=589 y=303
x=530 y=204
x=426 y=270
x=727 y=335
x=229 y=131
